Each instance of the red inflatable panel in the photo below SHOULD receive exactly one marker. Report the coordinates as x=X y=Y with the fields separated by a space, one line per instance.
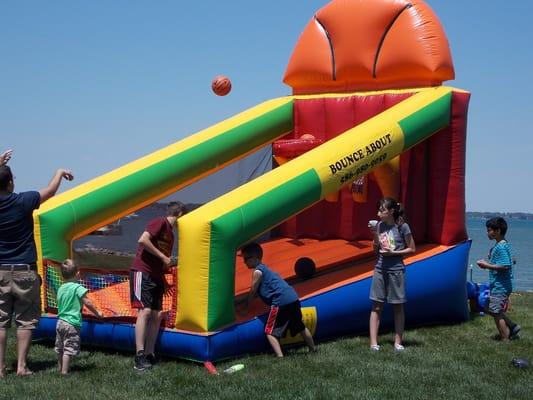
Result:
x=291 y=148
x=431 y=173
x=446 y=179
x=309 y=118
x=413 y=189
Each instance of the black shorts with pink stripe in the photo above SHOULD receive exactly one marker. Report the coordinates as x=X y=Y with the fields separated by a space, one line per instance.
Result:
x=146 y=291
x=285 y=317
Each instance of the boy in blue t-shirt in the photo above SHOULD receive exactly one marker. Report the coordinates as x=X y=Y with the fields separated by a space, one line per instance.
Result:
x=285 y=309
x=71 y=297
x=500 y=266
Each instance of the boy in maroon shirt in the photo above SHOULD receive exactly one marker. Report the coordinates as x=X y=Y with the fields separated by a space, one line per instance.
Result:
x=147 y=282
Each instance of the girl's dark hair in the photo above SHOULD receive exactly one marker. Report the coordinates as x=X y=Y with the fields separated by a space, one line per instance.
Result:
x=390 y=204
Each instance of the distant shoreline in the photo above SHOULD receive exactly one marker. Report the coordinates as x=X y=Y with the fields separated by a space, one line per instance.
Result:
x=509 y=215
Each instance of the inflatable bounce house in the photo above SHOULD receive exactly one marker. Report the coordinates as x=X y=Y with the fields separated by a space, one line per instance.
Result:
x=368 y=118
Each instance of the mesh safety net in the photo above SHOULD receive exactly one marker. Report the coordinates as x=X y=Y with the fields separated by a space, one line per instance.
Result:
x=109 y=291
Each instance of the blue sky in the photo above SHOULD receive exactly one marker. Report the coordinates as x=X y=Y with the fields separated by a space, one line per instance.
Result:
x=91 y=86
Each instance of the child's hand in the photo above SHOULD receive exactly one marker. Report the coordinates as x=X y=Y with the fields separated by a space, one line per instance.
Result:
x=481 y=264
x=167 y=261
x=373 y=225
x=386 y=252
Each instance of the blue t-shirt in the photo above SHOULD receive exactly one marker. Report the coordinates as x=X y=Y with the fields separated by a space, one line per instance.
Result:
x=392 y=237
x=501 y=281
x=17 y=245
x=273 y=289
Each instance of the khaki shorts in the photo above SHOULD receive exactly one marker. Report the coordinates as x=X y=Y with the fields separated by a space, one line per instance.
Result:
x=67 y=339
x=20 y=299
x=497 y=304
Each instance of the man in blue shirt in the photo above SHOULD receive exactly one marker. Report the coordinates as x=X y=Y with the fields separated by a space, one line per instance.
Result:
x=285 y=309
x=19 y=290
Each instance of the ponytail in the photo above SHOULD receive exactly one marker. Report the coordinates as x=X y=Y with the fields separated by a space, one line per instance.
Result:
x=397 y=211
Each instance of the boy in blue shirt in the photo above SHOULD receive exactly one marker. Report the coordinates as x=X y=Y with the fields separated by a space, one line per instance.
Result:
x=71 y=297
x=285 y=309
x=500 y=265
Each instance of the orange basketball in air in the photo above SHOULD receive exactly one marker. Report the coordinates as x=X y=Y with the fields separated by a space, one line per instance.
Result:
x=221 y=85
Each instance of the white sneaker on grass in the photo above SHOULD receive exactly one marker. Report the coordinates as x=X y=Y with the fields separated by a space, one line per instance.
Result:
x=398 y=348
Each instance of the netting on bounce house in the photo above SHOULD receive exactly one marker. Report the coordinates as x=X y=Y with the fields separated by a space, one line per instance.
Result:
x=368 y=118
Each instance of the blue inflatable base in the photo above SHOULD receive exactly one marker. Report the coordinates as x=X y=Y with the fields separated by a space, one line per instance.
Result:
x=436 y=294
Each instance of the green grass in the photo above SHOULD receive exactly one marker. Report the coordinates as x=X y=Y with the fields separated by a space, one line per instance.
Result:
x=450 y=362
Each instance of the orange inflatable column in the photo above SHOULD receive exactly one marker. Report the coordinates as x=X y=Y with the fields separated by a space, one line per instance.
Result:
x=388 y=178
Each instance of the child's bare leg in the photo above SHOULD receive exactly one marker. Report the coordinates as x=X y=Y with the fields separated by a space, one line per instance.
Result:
x=66 y=364
x=375 y=316
x=60 y=362
x=503 y=329
x=399 y=323
x=508 y=321
x=276 y=346
x=308 y=339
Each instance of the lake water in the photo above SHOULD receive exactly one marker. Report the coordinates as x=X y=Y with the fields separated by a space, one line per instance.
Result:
x=520 y=235
x=131 y=229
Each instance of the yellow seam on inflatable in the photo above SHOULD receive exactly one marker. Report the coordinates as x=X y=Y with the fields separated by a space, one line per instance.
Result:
x=376 y=92
x=38 y=245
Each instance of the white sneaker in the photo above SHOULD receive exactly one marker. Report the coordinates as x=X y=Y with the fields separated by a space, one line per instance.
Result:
x=398 y=348
x=375 y=347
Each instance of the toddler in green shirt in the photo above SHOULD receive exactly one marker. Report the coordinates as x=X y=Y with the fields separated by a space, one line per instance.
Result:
x=71 y=297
